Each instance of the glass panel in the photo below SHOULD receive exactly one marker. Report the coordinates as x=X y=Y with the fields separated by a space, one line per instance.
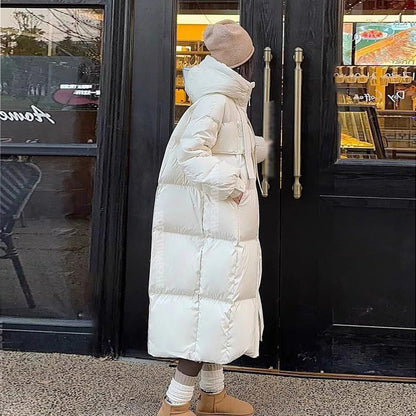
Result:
x=45 y=206
x=50 y=74
x=192 y=20
x=376 y=80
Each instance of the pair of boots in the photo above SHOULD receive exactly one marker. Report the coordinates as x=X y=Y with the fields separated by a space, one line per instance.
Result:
x=220 y=404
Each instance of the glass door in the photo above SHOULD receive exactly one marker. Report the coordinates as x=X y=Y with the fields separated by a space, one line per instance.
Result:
x=348 y=238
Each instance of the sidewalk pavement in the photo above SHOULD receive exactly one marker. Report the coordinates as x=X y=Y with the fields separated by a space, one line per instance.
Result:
x=34 y=384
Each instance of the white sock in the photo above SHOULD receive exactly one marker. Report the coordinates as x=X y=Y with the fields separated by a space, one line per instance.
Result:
x=212 y=378
x=181 y=389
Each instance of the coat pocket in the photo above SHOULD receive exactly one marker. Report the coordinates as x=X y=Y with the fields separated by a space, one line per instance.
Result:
x=233 y=203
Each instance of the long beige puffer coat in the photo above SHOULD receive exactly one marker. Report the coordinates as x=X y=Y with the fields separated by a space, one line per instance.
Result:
x=206 y=256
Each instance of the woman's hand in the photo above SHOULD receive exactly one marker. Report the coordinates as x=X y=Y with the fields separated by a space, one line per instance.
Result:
x=237 y=199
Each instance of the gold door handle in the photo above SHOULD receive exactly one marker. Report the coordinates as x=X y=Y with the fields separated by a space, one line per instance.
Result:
x=265 y=166
x=297 y=131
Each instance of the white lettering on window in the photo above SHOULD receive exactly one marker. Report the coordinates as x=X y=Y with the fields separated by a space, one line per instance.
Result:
x=400 y=95
x=29 y=116
x=36 y=114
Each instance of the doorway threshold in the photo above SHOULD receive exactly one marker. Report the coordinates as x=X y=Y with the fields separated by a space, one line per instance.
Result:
x=276 y=372
x=333 y=376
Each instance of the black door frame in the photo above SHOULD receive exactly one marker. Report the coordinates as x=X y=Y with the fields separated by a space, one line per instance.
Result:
x=153 y=57
x=99 y=336
x=153 y=109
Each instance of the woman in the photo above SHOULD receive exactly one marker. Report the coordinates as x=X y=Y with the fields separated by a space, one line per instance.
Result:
x=205 y=270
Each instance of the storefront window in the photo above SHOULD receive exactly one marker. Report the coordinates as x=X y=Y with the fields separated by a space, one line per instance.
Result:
x=45 y=236
x=49 y=89
x=50 y=74
x=193 y=18
x=376 y=80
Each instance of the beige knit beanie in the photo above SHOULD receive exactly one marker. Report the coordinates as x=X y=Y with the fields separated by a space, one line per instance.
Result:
x=228 y=43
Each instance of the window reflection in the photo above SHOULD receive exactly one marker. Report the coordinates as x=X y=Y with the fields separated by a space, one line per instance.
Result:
x=50 y=74
x=376 y=81
x=45 y=207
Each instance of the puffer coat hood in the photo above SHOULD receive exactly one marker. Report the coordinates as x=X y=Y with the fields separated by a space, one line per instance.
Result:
x=206 y=258
x=211 y=77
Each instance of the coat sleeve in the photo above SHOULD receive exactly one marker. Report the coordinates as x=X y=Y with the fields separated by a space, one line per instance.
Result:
x=262 y=149
x=216 y=177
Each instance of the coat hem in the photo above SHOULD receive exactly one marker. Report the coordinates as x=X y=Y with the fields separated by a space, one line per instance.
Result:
x=199 y=359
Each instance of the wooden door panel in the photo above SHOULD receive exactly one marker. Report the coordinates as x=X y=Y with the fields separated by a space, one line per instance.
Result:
x=347 y=257
x=367 y=259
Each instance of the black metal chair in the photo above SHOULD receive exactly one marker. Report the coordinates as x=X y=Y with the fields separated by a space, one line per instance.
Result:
x=18 y=180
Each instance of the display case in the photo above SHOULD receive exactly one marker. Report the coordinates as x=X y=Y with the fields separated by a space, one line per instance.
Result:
x=399 y=131
x=360 y=133
x=391 y=91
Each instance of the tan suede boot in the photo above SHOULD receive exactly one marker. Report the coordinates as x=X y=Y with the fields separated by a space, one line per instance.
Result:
x=169 y=410
x=222 y=405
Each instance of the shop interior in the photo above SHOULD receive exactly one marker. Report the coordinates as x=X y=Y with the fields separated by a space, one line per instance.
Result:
x=376 y=77
x=376 y=81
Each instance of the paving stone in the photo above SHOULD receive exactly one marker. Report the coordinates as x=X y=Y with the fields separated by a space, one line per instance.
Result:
x=35 y=384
